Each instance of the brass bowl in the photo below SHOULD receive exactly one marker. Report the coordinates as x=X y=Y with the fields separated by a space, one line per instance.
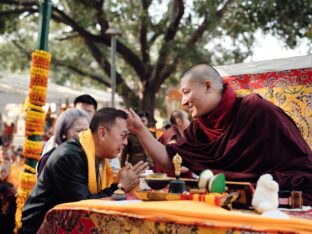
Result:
x=157 y=176
x=157 y=183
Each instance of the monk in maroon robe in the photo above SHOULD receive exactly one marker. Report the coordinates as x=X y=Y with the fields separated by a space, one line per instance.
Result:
x=179 y=122
x=240 y=137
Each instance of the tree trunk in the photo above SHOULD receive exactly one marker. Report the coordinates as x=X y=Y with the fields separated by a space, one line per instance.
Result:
x=148 y=103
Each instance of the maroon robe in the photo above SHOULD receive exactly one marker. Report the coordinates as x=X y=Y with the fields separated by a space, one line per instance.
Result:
x=255 y=137
x=169 y=135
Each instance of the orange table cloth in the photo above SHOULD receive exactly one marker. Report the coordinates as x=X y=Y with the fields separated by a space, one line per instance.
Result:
x=102 y=216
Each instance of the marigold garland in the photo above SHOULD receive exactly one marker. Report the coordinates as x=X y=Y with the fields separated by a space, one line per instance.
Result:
x=27 y=181
x=37 y=95
x=29 y=168
x=36 y=108
x=32 y=149
x=31 y=133
x=39 y=71
x=38 y=80
x=41 y=63
x=39 y=77
x=35 y=121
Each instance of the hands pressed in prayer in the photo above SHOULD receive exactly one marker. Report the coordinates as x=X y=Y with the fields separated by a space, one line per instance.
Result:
x=130 y=175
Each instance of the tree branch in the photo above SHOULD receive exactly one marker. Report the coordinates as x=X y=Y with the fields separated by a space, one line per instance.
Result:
x=198 y=33
x=98 y=56
x=177 y=13
x=65 y=64
x=67 y=36
x=61 y=16
x=191 y=42
x=143 y=32
x=17 y=11
x=129 y=56
x=18 y=2
x=105 y=65
x=101 y=18
x=100 y=15
x=22 y=49
x=220 y=13
x=81 y=72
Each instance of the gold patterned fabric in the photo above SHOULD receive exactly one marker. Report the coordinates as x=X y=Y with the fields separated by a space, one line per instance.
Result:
x=291 y=90
x=100 y=216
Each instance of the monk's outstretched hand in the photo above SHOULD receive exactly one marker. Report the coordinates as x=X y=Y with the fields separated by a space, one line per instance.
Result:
x=134 y=122
x=130 y=175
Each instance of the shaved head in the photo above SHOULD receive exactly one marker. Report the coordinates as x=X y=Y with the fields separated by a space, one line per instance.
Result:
x=203 y=72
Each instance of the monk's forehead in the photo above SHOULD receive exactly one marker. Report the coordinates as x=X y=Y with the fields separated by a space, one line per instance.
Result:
x=191 y=78
x=188 y=81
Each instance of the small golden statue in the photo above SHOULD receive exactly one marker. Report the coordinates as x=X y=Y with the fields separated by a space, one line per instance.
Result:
x=177 y=162
x=177 y=185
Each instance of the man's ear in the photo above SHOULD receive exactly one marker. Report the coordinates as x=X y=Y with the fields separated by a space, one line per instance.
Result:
x=208 y=85
x=102 y=132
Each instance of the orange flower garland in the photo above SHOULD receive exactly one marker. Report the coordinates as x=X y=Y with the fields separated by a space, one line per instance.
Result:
x=27 y=181
x=39 y=77
x=35 y=122
x=32 y=149
x=38 y=95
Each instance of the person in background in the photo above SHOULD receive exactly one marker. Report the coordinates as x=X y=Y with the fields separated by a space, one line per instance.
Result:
x=242 y=137
x=166 y=125
x=84 y=102
x=134 y=152
x=16 y=167
x=87 y=103
x=7 y=202
x=179 y=122
x=79 y=169
x=68 y=125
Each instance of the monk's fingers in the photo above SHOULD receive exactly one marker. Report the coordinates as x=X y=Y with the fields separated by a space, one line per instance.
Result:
x=132 y=113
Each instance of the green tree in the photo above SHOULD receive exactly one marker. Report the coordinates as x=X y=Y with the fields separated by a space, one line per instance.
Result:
x=159 y=38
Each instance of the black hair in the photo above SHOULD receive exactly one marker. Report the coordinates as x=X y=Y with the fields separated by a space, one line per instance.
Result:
x=106 y=116
x=87 y=99
x=143 y=114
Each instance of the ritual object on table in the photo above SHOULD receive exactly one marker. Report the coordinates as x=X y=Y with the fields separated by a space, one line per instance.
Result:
x=213 y=183
x=245 y=190
x=143 y=185
x=290 y=199
x=296 y=200
x=284 y=199
x=157 y=181
x=223 y=200
x=266 y=194
x=177 y=185
x=119 y=194
x=203 y=179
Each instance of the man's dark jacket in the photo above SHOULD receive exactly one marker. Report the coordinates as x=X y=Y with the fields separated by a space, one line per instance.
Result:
x=64 y=179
